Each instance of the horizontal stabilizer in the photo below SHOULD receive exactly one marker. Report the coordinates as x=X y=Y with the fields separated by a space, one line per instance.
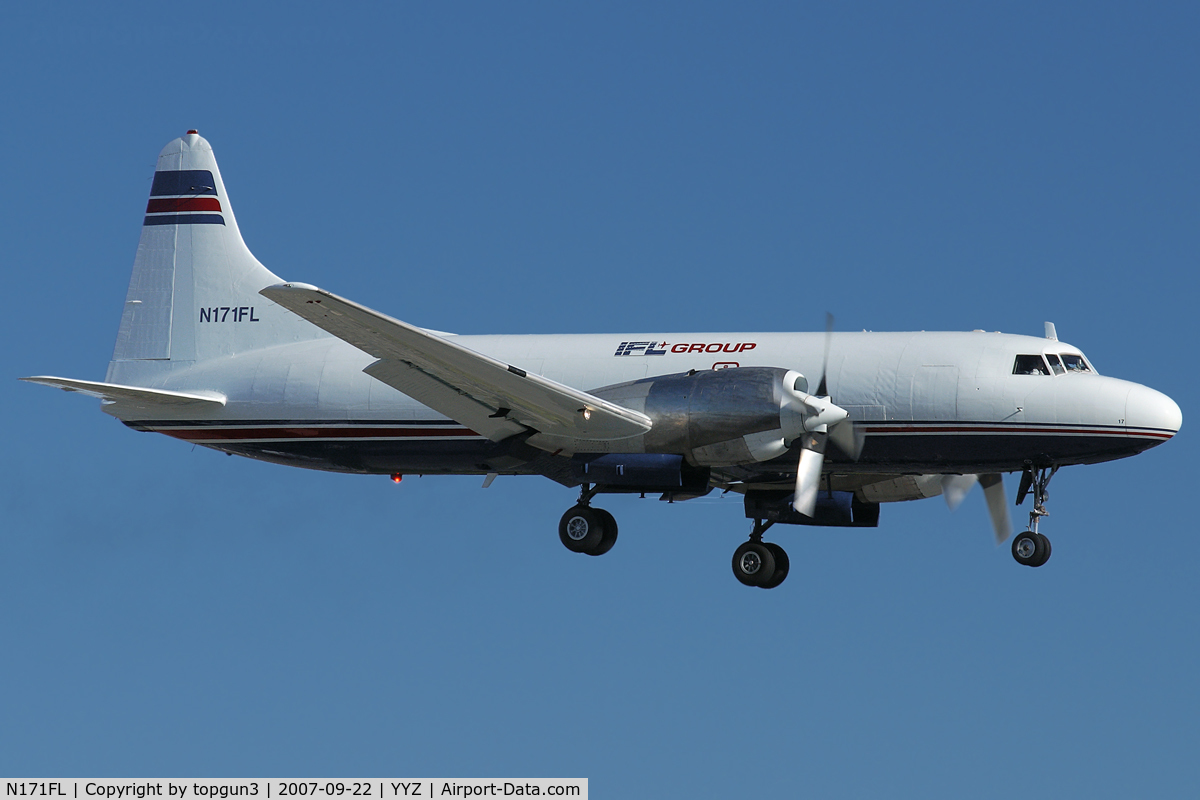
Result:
x=489 y=396
x=114 y=392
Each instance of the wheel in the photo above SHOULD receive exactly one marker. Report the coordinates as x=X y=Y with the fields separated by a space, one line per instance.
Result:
x=781 y=565
x=609 y=525
x=1044 y=555
x=753 y=564
x=1031 y=549
x=581 y=529
x=1025 y=547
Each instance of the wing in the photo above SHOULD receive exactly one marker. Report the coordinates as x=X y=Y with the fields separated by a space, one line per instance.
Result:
x=139 y=395
x=495 y=399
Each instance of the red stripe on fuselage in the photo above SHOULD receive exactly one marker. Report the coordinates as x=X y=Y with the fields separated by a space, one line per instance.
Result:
x=951 y=428
x=238 y=434
x=159 y=206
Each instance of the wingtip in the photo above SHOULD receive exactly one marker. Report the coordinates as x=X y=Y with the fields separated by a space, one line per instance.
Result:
x=285 y=293
x=289 y=287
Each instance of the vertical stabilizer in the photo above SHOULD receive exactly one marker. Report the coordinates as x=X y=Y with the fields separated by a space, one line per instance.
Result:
x=193 y=294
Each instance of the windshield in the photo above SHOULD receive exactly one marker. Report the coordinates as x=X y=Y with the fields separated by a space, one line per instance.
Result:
x=1051 y=364
x=1075 y=363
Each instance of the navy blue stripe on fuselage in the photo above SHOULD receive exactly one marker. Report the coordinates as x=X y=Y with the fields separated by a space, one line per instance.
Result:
x=447 y=446
x=246 y=430
x=956 y=427
x=287 y=423
x=183 y=182
x=185 y=219
x=365 y=446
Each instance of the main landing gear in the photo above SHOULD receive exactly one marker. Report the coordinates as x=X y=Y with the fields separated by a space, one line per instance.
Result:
x=593 y=531
x=584 y=529
x=1032 y=548
x=759 y=563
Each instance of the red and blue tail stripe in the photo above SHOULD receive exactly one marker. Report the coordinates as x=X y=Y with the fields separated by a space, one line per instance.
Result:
x=184 y=197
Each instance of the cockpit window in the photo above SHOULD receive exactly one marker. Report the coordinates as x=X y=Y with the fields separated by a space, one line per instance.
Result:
x=1075 y=363
x=1030 y=365
x=1055 y=365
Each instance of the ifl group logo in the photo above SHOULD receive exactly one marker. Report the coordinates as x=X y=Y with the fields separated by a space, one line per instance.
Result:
x=662 y=348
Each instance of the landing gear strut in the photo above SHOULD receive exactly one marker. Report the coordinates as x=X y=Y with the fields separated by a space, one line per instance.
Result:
x=759 y=563
x=1032 y=548
x=584 y=529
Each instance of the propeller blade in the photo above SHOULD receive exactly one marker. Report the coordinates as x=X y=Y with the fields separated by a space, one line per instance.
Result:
x=848 y=438
x=1024 y=486
x=808 y=473
x=956 y=487
x=822 y=387
x=993 y=491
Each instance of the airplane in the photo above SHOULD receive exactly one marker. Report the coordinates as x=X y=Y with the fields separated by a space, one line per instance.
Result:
x=216 y=350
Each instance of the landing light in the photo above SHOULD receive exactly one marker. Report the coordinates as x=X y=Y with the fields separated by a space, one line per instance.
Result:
x=587 y=413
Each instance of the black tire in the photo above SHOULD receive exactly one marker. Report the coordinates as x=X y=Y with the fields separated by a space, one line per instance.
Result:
x=609 y=524
x=1044 y=550
x=1026 y=548
x=581 y=529
x=753 y=564
x=781 y=565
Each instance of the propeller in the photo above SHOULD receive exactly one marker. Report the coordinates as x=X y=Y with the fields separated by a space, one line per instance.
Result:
x=956 y=487
x=822 y=389
x=993 y=492
x=808 y=473
x=824 y=421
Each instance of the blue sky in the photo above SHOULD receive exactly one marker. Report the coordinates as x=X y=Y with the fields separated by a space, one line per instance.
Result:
x=579 y=168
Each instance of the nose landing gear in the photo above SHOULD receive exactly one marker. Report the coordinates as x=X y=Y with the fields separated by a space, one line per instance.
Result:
x=1031 y=548
x=759 y=563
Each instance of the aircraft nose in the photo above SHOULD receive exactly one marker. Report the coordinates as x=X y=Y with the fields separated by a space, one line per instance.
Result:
x=1146 y=408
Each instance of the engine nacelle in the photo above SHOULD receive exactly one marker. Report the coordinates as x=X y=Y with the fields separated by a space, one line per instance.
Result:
x=741 y=415
x=642 y=472
x=833 y=509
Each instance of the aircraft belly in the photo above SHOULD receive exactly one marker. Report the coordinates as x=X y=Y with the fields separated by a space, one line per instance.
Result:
x=988 y=447
x=472 y=457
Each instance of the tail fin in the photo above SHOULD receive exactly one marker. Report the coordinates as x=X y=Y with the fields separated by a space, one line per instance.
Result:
x=194 y=290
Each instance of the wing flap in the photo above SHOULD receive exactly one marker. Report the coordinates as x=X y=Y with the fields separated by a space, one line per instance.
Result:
x=445 y=398
x=488 y=395
x=115 y=392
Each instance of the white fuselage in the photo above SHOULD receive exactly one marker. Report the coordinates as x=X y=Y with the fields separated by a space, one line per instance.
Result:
x=929 y=402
